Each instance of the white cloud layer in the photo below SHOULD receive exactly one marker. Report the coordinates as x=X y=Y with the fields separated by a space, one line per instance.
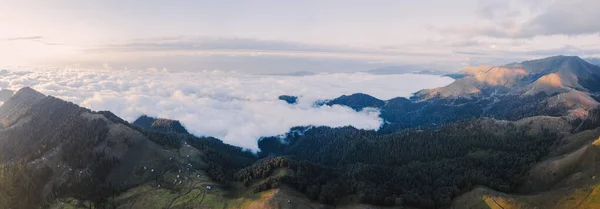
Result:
x=237 y=108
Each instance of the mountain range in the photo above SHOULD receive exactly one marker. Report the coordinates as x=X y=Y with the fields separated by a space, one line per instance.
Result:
x=554 y=86
x=521 y=135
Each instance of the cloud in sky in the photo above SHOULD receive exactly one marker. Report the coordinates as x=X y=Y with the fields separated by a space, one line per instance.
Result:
x=212 y=44
x=238 y=108
x=24 y=38
x=379 y=31
x=266 y=56
x=237 y=46
x=193 y=43
x=249 y=55
x=39 y=39
x=573 y=17
x=528 y=19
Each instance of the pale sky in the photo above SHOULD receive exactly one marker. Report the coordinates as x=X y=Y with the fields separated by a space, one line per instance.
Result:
x=270 y=36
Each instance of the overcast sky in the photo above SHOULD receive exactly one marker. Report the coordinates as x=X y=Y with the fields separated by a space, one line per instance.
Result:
x=271 y=36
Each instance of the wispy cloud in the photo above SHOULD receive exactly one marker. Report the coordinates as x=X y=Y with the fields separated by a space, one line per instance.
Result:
x=250 y=55
x=194 y=43
x=241 y=108
x=39 y=39
x=471 y=52
x=28 y=38
x=181 y=43
x=519 y=55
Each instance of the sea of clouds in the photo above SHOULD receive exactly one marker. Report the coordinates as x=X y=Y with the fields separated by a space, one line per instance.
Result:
x=235 y=107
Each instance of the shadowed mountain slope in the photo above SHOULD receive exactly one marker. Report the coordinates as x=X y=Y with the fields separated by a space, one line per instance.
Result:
x=75 y=152
x=82 y=153
x=566 y=178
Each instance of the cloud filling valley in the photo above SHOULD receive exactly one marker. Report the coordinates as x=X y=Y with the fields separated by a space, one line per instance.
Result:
x=235 y=107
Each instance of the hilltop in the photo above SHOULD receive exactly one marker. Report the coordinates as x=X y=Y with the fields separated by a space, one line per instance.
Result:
x=160 y=125
x=553 y=86
x=65 y=151
x=567 y=81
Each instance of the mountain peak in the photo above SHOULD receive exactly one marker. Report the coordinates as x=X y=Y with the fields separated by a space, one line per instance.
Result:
x=565 y=58
x=558 y=58
x=18 y=102
x=571 y=77
x=27 y=92
x=582 y=73
x=562 y=57
x=551 y=64
x=160 y=124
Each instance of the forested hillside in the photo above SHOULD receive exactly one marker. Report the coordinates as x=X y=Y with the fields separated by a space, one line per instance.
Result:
x=519 y=135
x=423 y=168
x=160 y=125
x=52 y=149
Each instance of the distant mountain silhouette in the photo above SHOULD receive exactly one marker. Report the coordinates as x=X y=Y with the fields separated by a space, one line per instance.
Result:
x=289 y=99
x=357 y=101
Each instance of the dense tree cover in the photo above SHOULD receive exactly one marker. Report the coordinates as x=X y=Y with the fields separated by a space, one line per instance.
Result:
x=62 y=133
x=223 y=159
x=75 y=142
x=160 y=125
x=592 y=121
x=167 y=140
x=424 y=168
x=515 y=107
x=39 y=137
x=591 y=83
x=20 y=186
x=144 y=121
x=305 y=173
x=401 y=113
